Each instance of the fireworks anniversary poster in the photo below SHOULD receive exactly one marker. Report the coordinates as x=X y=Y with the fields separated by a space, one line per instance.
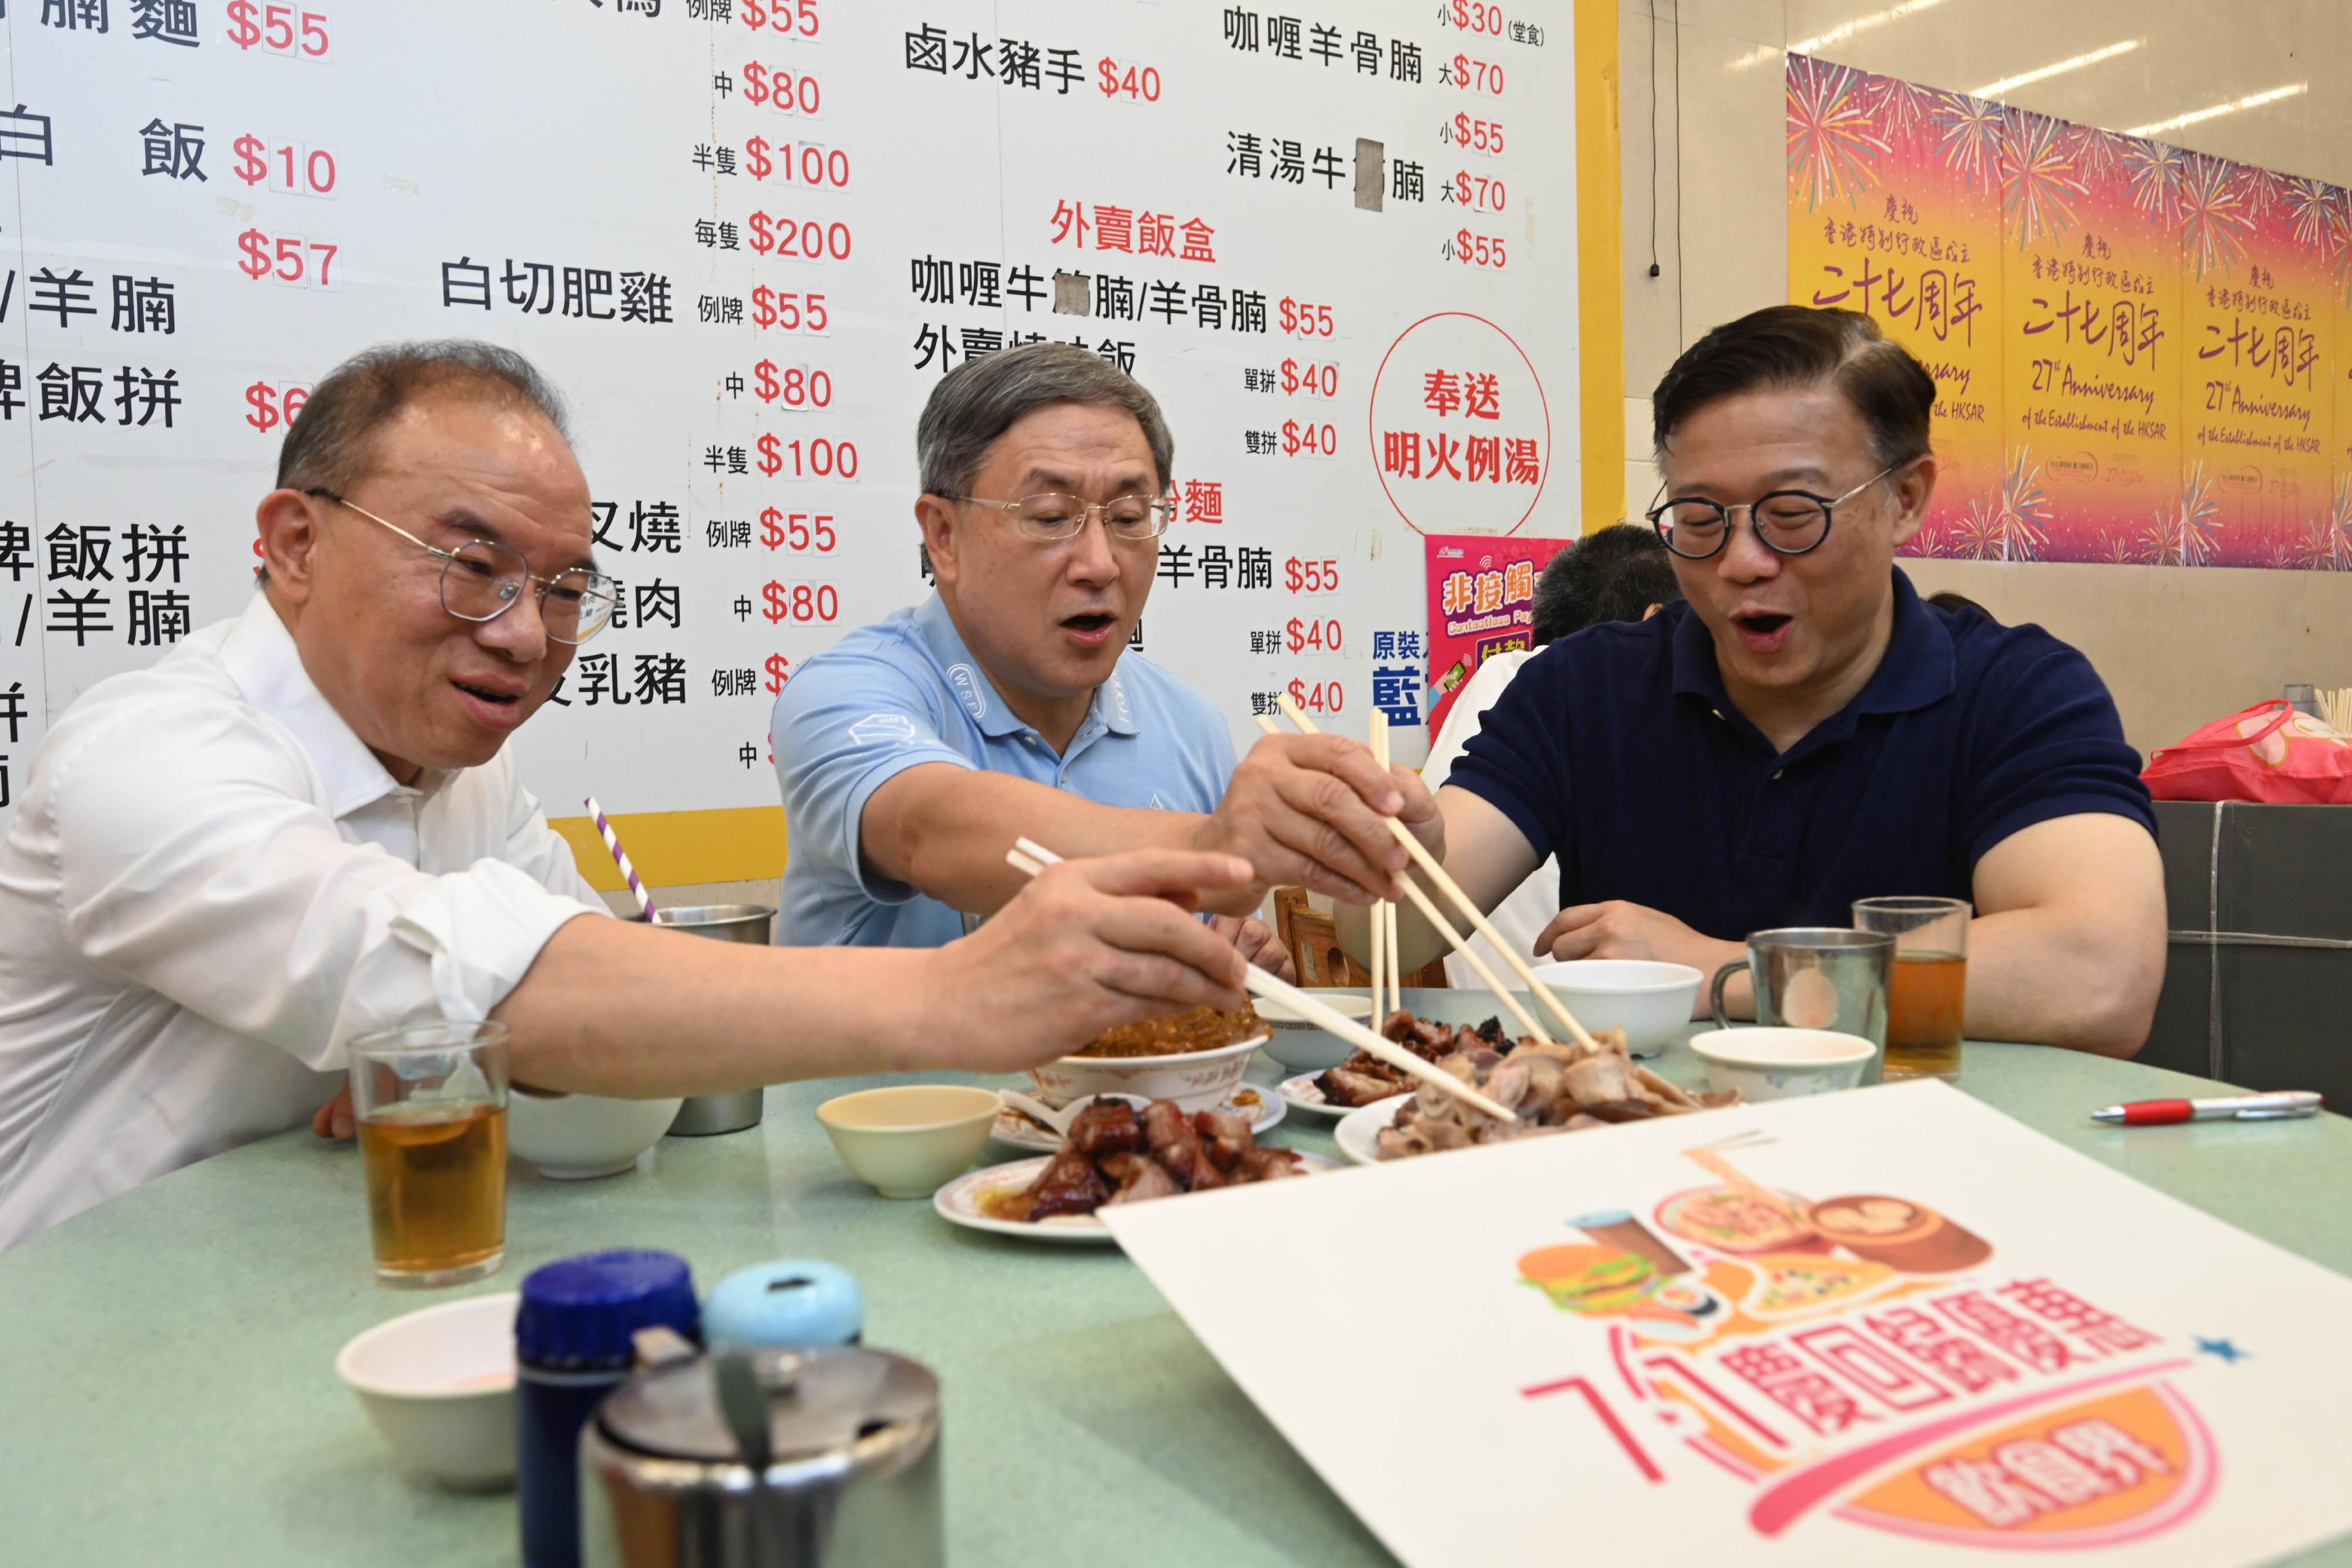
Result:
x=1883 y=1328
x=2136 y=347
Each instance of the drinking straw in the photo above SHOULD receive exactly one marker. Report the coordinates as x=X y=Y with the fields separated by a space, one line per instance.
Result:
x=620 y=858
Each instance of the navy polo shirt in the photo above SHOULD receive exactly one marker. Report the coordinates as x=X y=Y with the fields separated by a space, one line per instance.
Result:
x=1617 y=752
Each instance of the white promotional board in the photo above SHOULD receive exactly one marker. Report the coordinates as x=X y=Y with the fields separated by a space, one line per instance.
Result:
x=747 y=237
x=1885 y=1327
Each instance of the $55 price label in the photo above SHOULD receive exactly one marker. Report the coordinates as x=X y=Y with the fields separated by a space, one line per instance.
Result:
x=285 y=31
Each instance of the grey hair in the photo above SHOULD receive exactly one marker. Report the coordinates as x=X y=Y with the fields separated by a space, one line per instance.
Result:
x=331 y=442
x=981 y=399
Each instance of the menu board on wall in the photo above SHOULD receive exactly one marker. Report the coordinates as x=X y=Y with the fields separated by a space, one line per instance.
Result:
x=747 y=238
x=2136 y=348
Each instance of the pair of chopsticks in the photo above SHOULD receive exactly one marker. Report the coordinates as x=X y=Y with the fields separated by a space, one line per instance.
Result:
x=1384 y=917
x=1030 y=857
x=2335 y=707
x=1470 y=910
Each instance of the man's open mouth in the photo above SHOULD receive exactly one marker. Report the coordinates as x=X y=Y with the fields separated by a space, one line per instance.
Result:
x=1760 y=623
x=502 y=698
x=1093 y=623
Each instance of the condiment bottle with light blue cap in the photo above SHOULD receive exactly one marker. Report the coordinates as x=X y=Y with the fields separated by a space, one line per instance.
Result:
x=574 y=1345
x=794 y=1303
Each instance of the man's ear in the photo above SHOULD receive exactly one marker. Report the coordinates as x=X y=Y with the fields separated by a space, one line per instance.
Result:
x=935 y=514
x=289 y=533
x=1913 y=487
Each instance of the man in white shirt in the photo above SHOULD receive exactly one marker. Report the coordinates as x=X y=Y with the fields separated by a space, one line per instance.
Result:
x=301 y=825
x=1617 y=574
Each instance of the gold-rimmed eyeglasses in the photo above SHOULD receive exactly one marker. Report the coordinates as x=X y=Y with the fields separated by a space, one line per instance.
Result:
x=1051 y=517
x=481 y=580
x=1786 y=522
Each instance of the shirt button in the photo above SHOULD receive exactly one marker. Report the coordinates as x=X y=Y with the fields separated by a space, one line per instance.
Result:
x=1776 y=776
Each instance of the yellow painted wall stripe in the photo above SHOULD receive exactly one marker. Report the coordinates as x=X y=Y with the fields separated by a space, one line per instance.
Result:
x=1599 y=266
x=678 y=849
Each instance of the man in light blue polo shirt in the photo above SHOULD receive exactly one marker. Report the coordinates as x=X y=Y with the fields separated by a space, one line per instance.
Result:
x=915 y=751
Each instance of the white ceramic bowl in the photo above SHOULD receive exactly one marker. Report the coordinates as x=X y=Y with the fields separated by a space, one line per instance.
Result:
x=1196 y=1080
x=1304 y=1047
x=1650 y=1002
x=1775 y=1063
x=572 y=1136
x=909 y=1140
x=439 y=1385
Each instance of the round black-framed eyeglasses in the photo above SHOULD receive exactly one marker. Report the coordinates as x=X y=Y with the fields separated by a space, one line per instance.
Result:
x=1786 y=522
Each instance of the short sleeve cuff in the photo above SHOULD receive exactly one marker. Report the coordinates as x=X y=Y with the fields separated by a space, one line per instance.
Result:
x=882 y=889
x=2049 y=807
x=1472 y=775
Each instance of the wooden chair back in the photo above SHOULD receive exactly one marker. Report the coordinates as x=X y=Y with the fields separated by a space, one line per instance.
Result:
x=1314 y=950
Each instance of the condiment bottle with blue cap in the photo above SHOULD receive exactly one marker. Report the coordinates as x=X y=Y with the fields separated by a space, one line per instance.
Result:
x=794 y=1303
x=574 y=1343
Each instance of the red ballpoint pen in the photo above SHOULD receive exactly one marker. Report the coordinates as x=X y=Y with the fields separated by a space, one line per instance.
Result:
x=2276 y=1107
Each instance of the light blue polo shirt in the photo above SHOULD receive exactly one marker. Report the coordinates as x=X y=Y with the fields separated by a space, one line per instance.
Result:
x=906 y=691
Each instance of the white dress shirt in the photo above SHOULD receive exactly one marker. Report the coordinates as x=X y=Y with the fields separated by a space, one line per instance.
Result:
x=1520 y=918
x=212 y=886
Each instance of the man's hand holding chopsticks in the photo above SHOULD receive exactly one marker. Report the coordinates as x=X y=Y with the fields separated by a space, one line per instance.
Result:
x=1089 y=945
x=1305 y=809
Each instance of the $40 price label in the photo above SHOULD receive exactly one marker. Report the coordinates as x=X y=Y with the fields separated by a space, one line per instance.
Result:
x=1318 y=696
x=1123 y=82
x=1311 y=636
x=277 y=29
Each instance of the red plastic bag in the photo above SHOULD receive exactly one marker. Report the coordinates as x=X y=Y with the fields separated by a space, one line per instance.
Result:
x=2269 y=753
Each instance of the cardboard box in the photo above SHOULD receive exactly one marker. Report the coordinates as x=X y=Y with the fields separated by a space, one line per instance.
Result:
x=2259 y=966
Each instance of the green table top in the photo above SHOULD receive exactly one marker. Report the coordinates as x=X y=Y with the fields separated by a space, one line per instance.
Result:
x=167 y=1391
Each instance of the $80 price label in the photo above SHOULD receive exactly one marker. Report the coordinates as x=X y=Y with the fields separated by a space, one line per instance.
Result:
x=285 y=31
x=792 y=92
x=1122 y=82
x=295 y=260
x=791 y=386
x=802 y=603
x=291 y=168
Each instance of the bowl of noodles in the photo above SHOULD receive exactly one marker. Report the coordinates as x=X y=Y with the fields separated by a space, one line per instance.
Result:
x=1195 y=1058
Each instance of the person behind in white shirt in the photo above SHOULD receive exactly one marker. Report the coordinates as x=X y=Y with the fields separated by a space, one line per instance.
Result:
x=1620 y=573
x=302 y=825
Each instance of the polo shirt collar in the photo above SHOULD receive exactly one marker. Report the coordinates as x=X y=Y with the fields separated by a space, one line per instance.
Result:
x=1110 y=709
x=260 y=656
x=1919 y=668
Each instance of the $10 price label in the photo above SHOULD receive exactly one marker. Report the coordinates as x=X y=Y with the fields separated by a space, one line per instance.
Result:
x=291 y=168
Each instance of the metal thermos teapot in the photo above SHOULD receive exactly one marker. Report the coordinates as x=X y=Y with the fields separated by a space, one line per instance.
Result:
x=770 y=1459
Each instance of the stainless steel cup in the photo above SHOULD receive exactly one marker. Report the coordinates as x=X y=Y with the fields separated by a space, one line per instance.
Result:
x=1817 y=977
x=779 y=1458
x=704 y=1114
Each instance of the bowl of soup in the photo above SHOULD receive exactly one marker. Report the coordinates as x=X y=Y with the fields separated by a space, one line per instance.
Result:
x=1195 y=1058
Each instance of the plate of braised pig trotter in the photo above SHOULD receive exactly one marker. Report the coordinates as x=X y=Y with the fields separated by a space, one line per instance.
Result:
x=1114 y=1153
x=1552 y=1087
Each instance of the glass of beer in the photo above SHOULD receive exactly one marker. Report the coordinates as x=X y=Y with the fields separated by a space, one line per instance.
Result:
x=431 y=1099
x=1927 y=994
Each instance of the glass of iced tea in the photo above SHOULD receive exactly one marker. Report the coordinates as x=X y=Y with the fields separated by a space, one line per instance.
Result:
x=1927 y=993
x=431 y=1099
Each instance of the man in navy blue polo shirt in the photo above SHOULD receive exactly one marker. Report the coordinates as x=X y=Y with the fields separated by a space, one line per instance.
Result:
x=1803 y=731
x=915 y=751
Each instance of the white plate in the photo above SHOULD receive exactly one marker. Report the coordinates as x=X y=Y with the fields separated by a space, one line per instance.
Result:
x=1357 y=1134
x=957 y=1203
x=1303 y=1092
x=1013 y=1127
